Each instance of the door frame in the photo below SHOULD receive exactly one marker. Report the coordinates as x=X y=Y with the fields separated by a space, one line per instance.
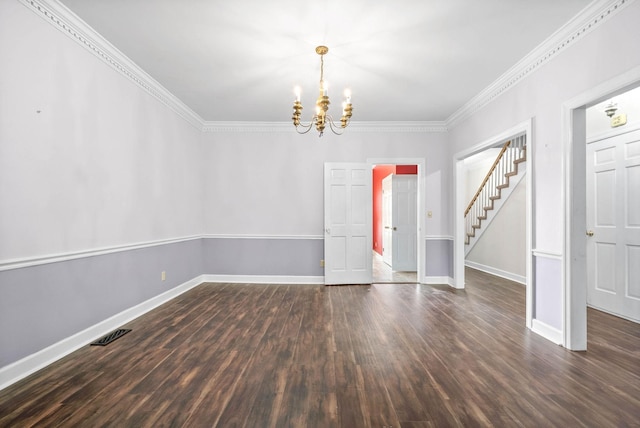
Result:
x=421 y=206
x=574 y=260
x=459 y=185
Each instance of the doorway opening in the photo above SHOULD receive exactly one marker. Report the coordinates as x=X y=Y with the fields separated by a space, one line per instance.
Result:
x=575 y=262
x=410 y=239
x=461 y=161
x=395 y=226
x=613 y=207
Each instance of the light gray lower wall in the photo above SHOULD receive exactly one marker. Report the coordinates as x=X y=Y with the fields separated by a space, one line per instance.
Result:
x=439 y=258
x=43 y=304
x=263 y=256
x=548 y=291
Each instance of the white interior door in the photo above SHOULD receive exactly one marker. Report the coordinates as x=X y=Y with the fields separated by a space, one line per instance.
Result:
x=405 y=220
x=348 y=223
x=387 y=220
x=613 y=222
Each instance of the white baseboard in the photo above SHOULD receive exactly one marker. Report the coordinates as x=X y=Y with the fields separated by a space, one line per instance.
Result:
x=546 y=331
x=34 y=362
x=265 y=279
x=438 y=280
x=497 y=272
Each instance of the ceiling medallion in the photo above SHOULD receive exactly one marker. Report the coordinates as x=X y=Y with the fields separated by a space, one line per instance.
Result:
x=321 y=117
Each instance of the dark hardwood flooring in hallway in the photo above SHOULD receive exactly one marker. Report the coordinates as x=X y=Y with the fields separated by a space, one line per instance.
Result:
x=387 y=355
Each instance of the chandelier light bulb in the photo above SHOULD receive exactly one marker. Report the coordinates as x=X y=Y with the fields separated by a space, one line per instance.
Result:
x=297 y=91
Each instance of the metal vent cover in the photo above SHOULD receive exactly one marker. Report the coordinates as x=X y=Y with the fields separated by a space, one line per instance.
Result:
x=111 y=337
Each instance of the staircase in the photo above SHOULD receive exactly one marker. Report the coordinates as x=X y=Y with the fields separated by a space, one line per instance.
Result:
x=505 y=167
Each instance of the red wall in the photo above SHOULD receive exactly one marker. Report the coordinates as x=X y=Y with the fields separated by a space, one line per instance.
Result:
x=406 y=169
x=380 y=172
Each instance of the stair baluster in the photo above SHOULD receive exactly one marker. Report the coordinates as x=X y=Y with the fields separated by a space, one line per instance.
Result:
x=505 y=166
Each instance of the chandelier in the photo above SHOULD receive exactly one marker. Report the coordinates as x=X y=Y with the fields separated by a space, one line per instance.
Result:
x=321 y=117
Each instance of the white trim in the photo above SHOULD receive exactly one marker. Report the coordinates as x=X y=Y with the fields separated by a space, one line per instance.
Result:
x=546 y=254
x=497 y=272
x=34 y=362
x=58 y=15
x=438 y=238
x=530 y=216
x=70 y=24
x=264 y=279
x=437 y=280
x=354 y=127
x=546 y=331
x=214 y=236
x=19 y=263
x=62 y=257
x=582 y=24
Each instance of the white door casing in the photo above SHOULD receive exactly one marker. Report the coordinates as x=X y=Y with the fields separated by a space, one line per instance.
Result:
x=613 y=225
x=348 y=223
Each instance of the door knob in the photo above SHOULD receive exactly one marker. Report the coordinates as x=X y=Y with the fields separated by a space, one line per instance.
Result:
x=589 y=232
x=395 y=228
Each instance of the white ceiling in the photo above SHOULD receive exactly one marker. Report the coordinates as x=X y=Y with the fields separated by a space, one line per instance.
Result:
x=406 y=60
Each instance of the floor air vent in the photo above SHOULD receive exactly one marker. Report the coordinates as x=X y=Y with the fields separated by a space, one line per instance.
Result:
x=111 y=337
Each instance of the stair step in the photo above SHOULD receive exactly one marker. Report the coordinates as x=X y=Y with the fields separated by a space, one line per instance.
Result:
x=511 y=174
x=524 y=159
x=494 y=198
x=502 y=186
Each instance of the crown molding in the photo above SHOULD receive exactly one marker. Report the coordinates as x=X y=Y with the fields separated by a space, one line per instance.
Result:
x=70 y=24
x=58 y=15
x=287 y=127
x=582 y=24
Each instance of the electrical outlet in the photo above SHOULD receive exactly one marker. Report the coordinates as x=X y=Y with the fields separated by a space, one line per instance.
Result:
x=163 y=276
x=321 y=263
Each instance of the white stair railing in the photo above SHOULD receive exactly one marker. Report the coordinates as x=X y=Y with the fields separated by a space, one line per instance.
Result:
x=506 y=165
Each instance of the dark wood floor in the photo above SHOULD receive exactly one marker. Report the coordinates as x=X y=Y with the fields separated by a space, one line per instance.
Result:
x=351 y=356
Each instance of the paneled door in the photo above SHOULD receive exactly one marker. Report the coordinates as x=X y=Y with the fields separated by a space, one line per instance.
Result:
x=613 y=225
x=405 y=222
x=348 y=223
x=400 y=222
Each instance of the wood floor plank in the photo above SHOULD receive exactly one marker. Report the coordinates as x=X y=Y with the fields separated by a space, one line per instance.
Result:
x=380 y=355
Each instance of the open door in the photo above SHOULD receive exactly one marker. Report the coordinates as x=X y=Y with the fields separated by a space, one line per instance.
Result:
x=347 y=223
x=399 y=218
x=404 y=228
x=613 y=217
